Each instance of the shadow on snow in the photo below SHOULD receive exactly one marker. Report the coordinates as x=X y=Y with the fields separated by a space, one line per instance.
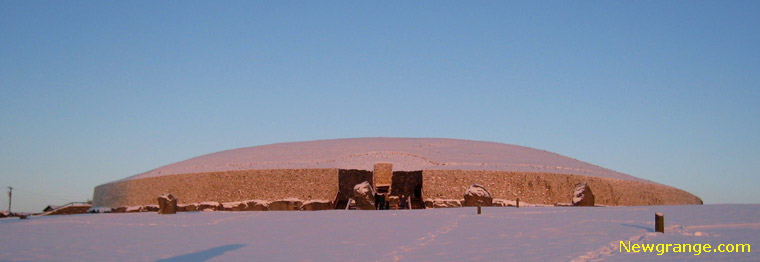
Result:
x=648 y=229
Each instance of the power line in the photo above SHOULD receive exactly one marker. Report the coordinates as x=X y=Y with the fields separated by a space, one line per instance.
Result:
x=47 y=195
x=30 y=195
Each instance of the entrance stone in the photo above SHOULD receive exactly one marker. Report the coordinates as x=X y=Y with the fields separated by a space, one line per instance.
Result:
x=364 y=195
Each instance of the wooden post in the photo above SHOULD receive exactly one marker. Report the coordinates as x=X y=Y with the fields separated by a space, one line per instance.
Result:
x=518 y=202
x=478 y=209
x=659 y=222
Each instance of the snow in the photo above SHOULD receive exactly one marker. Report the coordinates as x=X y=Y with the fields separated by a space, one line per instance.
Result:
x=504 y=202
x=449 y=234
x=477 y=190
x=578 y=194
x=318 y=201
x=257 y=202
x=446 y=202
x=232 y=204
x=363 y=188
x=406 y=154
x=576 y=199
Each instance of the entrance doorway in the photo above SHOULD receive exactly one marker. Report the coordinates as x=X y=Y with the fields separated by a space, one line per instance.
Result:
x=408 y=184
x=347 y=179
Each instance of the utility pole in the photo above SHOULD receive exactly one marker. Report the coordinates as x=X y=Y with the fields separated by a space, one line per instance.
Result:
x=10 y=197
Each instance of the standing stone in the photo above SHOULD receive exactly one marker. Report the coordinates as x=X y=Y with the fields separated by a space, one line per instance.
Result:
x=583 y=195
x=382 y=174
x=167 y=204
x=477 y=195
x=364 y=195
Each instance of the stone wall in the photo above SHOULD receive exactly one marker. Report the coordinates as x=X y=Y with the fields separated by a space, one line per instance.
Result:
x=324 y=184
x=545 y=188
x=229 y=186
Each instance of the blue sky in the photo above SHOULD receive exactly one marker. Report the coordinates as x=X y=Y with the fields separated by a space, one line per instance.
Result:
x=95 y=91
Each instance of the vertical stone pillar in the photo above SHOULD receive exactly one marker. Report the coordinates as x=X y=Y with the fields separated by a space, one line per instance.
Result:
x=167 y=204
x=382 y=175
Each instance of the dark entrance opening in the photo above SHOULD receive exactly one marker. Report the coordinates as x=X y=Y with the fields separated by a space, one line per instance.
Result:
x=347 y=179
x=408 y=184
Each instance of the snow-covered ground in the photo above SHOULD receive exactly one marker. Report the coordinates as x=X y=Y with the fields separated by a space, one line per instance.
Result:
x=454 y=234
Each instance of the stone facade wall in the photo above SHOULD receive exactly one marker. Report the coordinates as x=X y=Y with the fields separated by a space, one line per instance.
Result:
x=324 y=185
x=545 y=188
x=229 y=186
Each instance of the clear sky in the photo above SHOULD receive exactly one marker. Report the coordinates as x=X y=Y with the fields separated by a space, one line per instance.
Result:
x=95 y=91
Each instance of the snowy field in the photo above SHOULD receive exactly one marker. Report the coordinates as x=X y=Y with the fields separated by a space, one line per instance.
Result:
x=455 y=234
